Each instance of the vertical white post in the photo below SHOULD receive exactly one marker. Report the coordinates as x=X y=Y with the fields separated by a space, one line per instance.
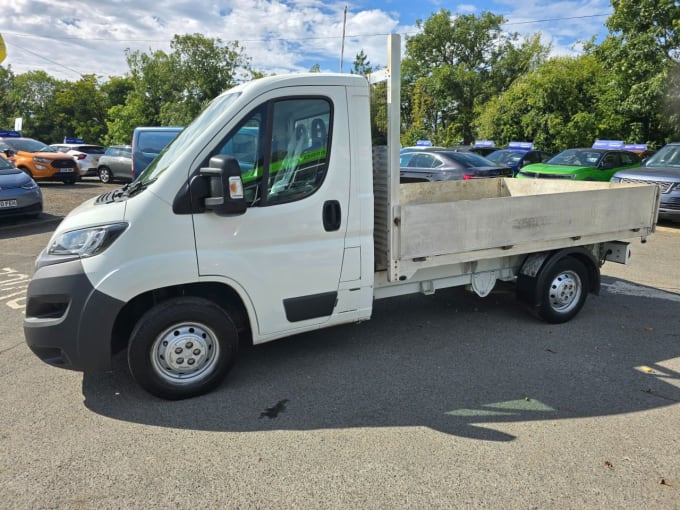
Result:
x=393 y=146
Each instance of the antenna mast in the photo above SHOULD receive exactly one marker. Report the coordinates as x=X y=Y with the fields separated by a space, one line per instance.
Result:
x=342 y=50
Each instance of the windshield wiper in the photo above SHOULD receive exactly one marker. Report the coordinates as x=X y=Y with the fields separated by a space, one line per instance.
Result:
x=136 y=187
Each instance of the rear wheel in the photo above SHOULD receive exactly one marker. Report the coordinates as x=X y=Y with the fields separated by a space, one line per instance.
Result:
x=563 y=290
x=182 y=348
x=105 y=174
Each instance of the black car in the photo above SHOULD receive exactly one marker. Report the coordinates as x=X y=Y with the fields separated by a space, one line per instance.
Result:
x=447 y=165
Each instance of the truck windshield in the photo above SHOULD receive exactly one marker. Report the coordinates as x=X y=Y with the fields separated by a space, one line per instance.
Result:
x=186 y=137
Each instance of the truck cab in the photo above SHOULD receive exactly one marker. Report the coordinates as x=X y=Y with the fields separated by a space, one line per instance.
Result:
x=287 y=254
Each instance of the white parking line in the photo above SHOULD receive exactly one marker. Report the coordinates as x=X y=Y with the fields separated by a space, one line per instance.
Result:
x=13 y=284
x=629 y=289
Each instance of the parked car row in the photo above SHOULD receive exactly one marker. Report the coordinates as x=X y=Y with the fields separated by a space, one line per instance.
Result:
x=611 y=161
x=23 y=161
x=37 y=159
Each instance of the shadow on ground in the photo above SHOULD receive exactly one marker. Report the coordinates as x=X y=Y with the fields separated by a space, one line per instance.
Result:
x=452 y=362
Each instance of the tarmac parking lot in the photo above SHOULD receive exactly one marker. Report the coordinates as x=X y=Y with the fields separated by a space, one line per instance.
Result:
x=442 y=401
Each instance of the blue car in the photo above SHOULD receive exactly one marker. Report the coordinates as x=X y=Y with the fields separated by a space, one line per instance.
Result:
x=19 y=194
x=517 y=156
x=662 y=169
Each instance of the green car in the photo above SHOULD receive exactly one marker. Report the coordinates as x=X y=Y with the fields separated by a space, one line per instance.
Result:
x=582 y=165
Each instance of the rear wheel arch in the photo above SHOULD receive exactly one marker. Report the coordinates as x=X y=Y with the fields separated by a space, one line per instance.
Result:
x=538 y=269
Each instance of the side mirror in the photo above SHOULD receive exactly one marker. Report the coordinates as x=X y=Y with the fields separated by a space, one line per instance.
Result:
x=219 y=187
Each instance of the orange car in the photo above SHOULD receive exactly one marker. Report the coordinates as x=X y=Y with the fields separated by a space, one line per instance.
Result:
x=38 y=159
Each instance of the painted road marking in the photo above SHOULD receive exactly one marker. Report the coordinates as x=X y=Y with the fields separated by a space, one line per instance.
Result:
x=13 y=285
x=629 y=289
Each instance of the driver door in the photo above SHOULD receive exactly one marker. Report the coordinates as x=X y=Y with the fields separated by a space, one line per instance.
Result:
x=285 y=253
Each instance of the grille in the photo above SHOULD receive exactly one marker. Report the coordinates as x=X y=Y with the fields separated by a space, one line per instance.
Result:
x=664 y=186
x=63 y=163
x=537 y=175
x=672 y=203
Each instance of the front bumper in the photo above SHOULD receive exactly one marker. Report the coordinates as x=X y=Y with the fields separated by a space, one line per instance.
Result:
x=669 y=208
x=68 y=323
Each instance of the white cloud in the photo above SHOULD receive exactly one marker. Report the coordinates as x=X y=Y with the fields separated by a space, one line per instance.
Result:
x=66 y=39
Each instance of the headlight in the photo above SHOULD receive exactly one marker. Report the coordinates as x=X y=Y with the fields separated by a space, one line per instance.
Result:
x=86 y=242
x=30 y=185
x=615 y=179
x=42 y=160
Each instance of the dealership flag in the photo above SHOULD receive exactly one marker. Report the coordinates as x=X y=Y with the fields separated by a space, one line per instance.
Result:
x=3 y=49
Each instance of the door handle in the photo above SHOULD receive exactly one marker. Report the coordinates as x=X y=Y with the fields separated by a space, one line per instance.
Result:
x=332 y=215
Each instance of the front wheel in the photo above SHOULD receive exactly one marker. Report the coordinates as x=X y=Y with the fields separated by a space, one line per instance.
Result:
x=564 y=291
x=182 y=348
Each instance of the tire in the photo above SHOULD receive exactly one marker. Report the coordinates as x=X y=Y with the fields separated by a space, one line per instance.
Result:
x=563 y=291
x=182 y=348
x=105 y=174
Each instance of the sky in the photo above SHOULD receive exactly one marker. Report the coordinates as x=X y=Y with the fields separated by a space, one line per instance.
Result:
x=69 y=38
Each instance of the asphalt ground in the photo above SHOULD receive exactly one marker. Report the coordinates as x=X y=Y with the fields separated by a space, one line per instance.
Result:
x=444 y=401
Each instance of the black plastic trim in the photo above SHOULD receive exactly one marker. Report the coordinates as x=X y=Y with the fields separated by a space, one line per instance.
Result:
x=68 y=323
x=310 y=307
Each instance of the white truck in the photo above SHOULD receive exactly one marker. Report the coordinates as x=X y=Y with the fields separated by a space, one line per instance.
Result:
x=271 y=215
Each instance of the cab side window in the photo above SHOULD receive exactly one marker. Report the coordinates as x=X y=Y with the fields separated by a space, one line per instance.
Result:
x=282 y=148
x=300 y=144
x=244 y=144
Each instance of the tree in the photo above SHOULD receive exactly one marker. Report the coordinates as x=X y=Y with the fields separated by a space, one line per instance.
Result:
x=172 y=88
x=559 y=105
x=6 y=107
x=459 y=63
x=81 y=118
x=643 y=50
x=361 y=64
x=32 y=97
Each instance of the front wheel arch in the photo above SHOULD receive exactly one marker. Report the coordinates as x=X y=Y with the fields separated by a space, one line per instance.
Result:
x=26 y=171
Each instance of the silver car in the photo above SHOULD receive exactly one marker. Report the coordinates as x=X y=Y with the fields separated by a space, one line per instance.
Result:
x=116 y=164
x=662 y=169
x=19 y=193
x=86 y=155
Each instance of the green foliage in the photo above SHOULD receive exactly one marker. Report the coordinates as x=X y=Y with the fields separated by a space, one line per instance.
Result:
x=171 y=89
x=79 y=117
x=361 y=64
x=556 y=106
x=32 y=97
x=456 y=65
